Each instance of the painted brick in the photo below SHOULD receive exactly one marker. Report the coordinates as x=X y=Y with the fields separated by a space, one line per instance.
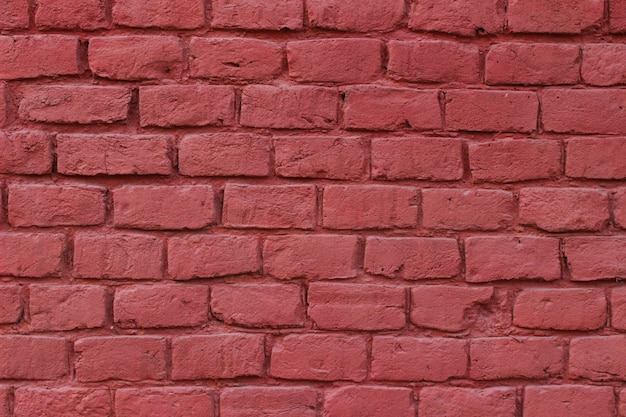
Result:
x=353 y=15
x=586 y=362
x=408 y=358
x=320 y=157
x=350 y=207
x=355 y=401
x=334 y=306
x=434 y=61
x=594 y=258
x=10 y=304
x=156 y=306
x=619 y=208
x=493 y=258
x=298 y=107
x=417 y=158
x=345 y=61
x=14 y=15
x=311 y=256
x=386 y=108
x=412 y=257
x=521 y=63
x=117 y=256
x=164 y=207
x=594 y=158
x=52 y=205
x=136 y=57
x=67 y=307
x=25 y=152
x=464 y=402
x=617 y=13
x=186 y=105
x=603 y=64
x=234 y=59
x=469 y=18
x=212 y=256
x=129 y=358
x=250 y=14
x=171 y=401
x=71 y=14
x=39 y=358
x=178 y=14
x=618 y=308
x=31 y=254
x=224 y=154
x=282 y=401
x=444 y=307
x=270 y=207
x=79 y=402
x=252 y=305
x=322 y=357
x=560 y=309
x=217 y=356
x=54 y=55
x=559 y=16
x=516 y=357
x=568 y=401
x=106 y=154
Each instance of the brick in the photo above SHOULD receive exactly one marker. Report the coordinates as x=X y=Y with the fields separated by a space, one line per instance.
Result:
x=385 y=108
x=53 y=55
x=311 y=256
x=568 y=401
x=212 y=256
x=25 y=152
x=4 y=402
x=334 y=306
x=560 y=309
x=617 y=16
x=235 y=59
x=136 y=57
x=344 y=61
x=350 y=207
x=31 y=254
x=170 y=401
x=10 y=305
x=355 y=16
x=491 y=110
x=251 y=305
x=67 y=307
x=594 y=258
x=445 y=307
x=564 y=209
x=155 y=306
x=467 y=209
x=297 y=107
x=512 y=160
x=177 y=14
x=464 y=402
x=515 y=357
x=412 y=257
x=186 y=105
x=603 y=64
x=117 y=256
x=469 y=18
x=270 y=401
x=341 y=158
x=584 y=111
x=164 y=207
x=622 y=402
x=559 y=16
x=619 y=208
x=74 y=104
x=407 y=358
x=217 y=356
x=3 y=104
x=107 y=154
x=224 y=154
x=14 y=15
x=319 y=357
x=270 y=206
x=417 y=158
x=250 y=14
x=79 y=402
x=129 y=358
x=598 y=358
x=434 y=61
x=528 y=64
x=595 y=158
x=618 y=308
x=71 y=14
x=56 y=205
x=493 y=258
x=39 y=357
x=356 y=401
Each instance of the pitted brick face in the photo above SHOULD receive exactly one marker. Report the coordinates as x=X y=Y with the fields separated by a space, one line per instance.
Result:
x=312 y=208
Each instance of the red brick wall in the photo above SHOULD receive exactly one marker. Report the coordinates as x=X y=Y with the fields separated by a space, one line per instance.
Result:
x=313 y=208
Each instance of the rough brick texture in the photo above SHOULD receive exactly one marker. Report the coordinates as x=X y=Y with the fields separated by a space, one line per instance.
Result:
x=312 y=208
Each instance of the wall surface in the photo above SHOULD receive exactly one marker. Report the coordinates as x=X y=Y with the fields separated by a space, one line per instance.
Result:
x=335 y=208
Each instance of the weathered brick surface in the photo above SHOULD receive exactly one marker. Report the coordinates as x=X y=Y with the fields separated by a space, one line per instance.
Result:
x=312 y=208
